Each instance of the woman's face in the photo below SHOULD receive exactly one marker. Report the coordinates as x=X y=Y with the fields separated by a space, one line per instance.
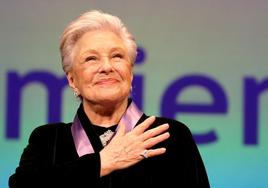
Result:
x=101 y=70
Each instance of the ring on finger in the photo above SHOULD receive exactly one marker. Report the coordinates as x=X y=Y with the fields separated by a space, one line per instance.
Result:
x=144 y=154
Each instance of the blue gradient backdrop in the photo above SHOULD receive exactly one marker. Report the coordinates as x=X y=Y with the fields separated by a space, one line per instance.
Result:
x=225 y=41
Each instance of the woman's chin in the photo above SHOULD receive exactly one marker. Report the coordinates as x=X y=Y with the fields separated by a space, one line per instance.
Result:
x=112 y=98
x=108 y=95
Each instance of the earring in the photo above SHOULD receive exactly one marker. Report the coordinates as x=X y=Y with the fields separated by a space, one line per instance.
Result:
x=76 y=93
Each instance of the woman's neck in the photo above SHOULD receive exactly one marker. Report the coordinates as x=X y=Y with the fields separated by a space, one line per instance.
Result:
x=105 y=115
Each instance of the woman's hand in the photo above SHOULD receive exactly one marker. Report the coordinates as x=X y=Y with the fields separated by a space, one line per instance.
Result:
x=127 y=149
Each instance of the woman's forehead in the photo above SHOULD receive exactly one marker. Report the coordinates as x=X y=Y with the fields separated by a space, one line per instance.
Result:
x=100 y=41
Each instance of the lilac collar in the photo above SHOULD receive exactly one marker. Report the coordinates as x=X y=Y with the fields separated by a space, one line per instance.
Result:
x=82 y=143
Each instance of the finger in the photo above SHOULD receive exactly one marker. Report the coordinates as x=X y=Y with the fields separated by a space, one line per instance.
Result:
x=156 y=140
x=121 y=130
x=154 y=152
x=155 y=131
x=139 y=129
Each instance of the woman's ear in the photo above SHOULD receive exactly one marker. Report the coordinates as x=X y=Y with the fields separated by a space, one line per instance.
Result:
x=132 y=74
x=71 y=82
x=70 y=79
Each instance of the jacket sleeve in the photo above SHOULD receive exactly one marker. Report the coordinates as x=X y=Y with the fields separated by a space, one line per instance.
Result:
x=181 y=165
x=193 y=160
x=37 y=169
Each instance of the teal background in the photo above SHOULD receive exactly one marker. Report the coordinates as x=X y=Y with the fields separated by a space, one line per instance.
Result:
x=225 y=40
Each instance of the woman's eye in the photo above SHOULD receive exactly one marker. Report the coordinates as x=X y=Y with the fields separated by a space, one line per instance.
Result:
x=118 y=56
x=90 y=58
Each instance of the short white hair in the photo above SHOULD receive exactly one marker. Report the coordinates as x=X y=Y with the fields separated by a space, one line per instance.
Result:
x=92 y=21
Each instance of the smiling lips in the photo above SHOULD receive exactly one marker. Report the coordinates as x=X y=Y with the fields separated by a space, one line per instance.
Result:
x=107 y=81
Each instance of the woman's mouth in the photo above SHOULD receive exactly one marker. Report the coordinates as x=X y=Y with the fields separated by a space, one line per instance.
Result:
x=107 y=81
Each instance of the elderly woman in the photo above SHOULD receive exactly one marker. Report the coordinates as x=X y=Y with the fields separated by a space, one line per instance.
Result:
x=110 y=143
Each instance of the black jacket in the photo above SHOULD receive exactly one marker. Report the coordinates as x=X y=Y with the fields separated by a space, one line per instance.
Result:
x=50 y=160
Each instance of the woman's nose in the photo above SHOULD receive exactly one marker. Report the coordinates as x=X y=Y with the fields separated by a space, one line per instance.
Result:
x=106 y=65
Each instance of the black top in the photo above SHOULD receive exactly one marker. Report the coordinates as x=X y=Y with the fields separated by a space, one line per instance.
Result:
x=50 y=160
